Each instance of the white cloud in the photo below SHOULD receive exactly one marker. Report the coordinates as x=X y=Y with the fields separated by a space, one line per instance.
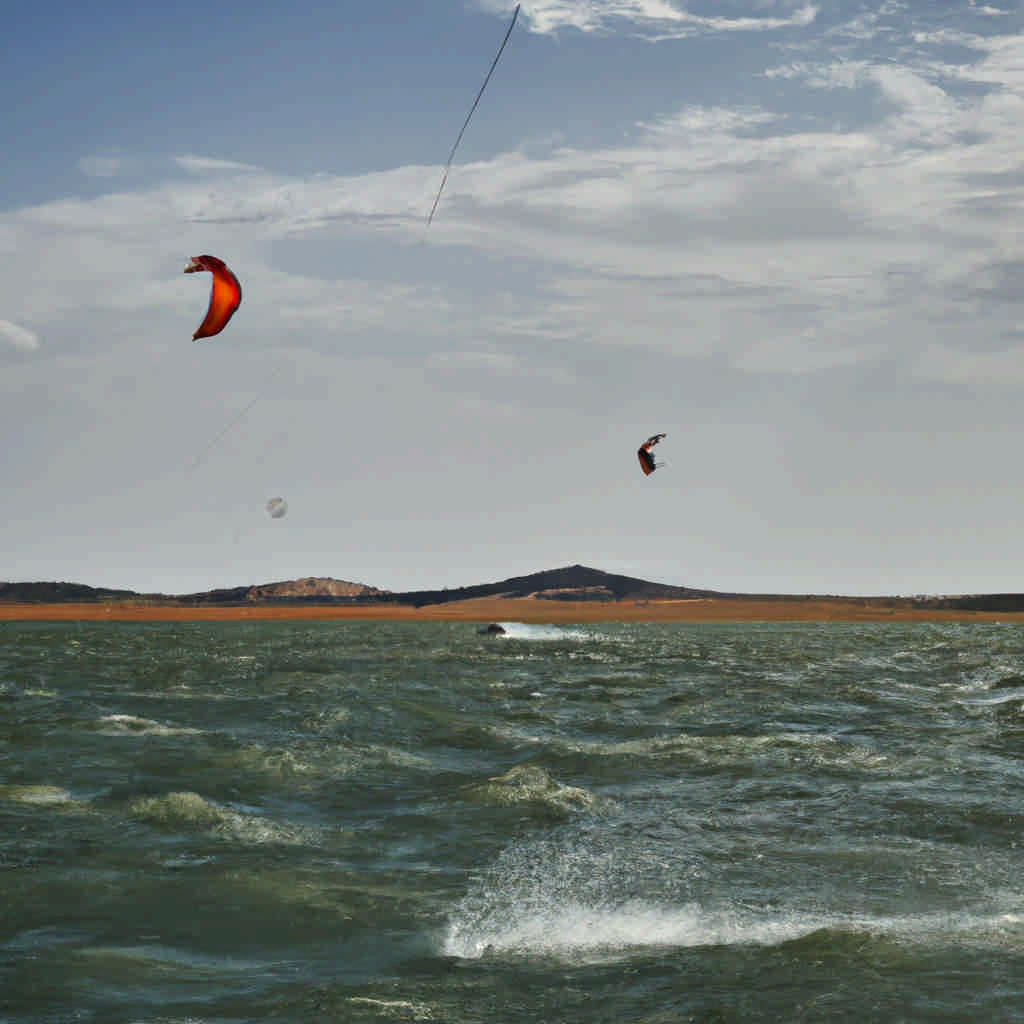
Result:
x=694 y=24
x=716 y=231
x=871 y=23
x=18 y=336
x=842 y=74
x=709 y=120
x=201 y=164
x=988 y=9
x=927 y=113
x=658 y=20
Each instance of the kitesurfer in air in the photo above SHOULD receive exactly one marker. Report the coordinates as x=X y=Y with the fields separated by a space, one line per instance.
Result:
x=647 y=463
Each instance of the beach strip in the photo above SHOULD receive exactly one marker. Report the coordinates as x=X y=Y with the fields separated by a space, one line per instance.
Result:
x=520 y=609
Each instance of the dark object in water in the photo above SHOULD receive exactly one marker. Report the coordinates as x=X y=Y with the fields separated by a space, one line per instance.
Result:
x=492 y=630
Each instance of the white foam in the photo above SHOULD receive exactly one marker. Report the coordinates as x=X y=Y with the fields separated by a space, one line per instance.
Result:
x=131 y=725
x=38 y=794
x=993 y=699
x=573 y=929
x=529 y=631
x=584 y=897
x=397 y=1009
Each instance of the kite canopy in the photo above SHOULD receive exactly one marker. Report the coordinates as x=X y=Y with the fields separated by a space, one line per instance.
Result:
x=277 y=507
x=225 y=295
x=647 y=463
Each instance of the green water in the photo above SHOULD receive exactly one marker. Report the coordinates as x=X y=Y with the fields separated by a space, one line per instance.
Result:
x=413 y=822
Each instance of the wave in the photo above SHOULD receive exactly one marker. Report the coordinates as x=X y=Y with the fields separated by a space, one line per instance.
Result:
x=185 y=811
x=132 y=725
x=40 y=794
x=394 y=1009
x=571 y=930
x=529 y=631
x=784 y=749
x=573 y=900
x=531 y=785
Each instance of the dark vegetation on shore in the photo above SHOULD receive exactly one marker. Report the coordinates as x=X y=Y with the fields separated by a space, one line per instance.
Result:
x=572 y=583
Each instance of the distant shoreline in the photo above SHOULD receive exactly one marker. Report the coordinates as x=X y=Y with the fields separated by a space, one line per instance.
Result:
x=520 y=609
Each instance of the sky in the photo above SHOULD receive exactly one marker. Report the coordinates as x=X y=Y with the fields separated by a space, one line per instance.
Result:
x=784 y=233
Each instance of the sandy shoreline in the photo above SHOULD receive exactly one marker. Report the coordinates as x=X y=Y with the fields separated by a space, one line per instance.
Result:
x=523 y=609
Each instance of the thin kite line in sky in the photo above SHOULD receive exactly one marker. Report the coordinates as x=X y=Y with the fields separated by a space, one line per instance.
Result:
x=238 y=416
x=451 y=155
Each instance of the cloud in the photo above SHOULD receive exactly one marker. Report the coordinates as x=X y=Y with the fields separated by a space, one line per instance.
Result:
x=841 y=74
x=18 y=336
x=769 y=243
x=886 y=18
x=988 y=10
x=707 y=120
x=656 y=20
x=202 y=164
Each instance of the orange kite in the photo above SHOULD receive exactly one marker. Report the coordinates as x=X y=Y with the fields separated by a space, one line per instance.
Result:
x=225 y=295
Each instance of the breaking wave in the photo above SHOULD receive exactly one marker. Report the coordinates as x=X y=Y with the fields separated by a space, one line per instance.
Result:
x=529 y=631
x=186 y=811
x=530 y=785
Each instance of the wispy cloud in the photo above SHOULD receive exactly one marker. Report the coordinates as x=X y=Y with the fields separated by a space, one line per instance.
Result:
x=18 y=336
x=657 y=20
x=740 y=232
x=868 y=24
x=203 y=164
x=988 y=10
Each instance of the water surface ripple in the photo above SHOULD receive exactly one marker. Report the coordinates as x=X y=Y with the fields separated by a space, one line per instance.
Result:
x=399 y=822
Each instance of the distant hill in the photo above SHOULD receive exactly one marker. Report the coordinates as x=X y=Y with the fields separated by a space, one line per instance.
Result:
x=976 y=602
x=573 y=583
x=56 y=593
x=309 y=589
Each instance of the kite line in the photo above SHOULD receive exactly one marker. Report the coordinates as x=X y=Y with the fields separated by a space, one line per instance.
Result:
x=451 y=155
x=235 y=419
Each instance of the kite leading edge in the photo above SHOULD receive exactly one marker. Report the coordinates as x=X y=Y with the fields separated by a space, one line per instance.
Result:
x=225 y=295
x=451 y=155
x=647 y=463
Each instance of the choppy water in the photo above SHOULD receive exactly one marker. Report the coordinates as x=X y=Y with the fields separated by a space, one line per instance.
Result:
x=412 y=822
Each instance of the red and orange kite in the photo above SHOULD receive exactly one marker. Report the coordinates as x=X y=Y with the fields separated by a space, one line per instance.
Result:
x=225 y=295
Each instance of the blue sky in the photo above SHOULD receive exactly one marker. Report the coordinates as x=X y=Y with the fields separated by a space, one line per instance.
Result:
x=784 y=233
